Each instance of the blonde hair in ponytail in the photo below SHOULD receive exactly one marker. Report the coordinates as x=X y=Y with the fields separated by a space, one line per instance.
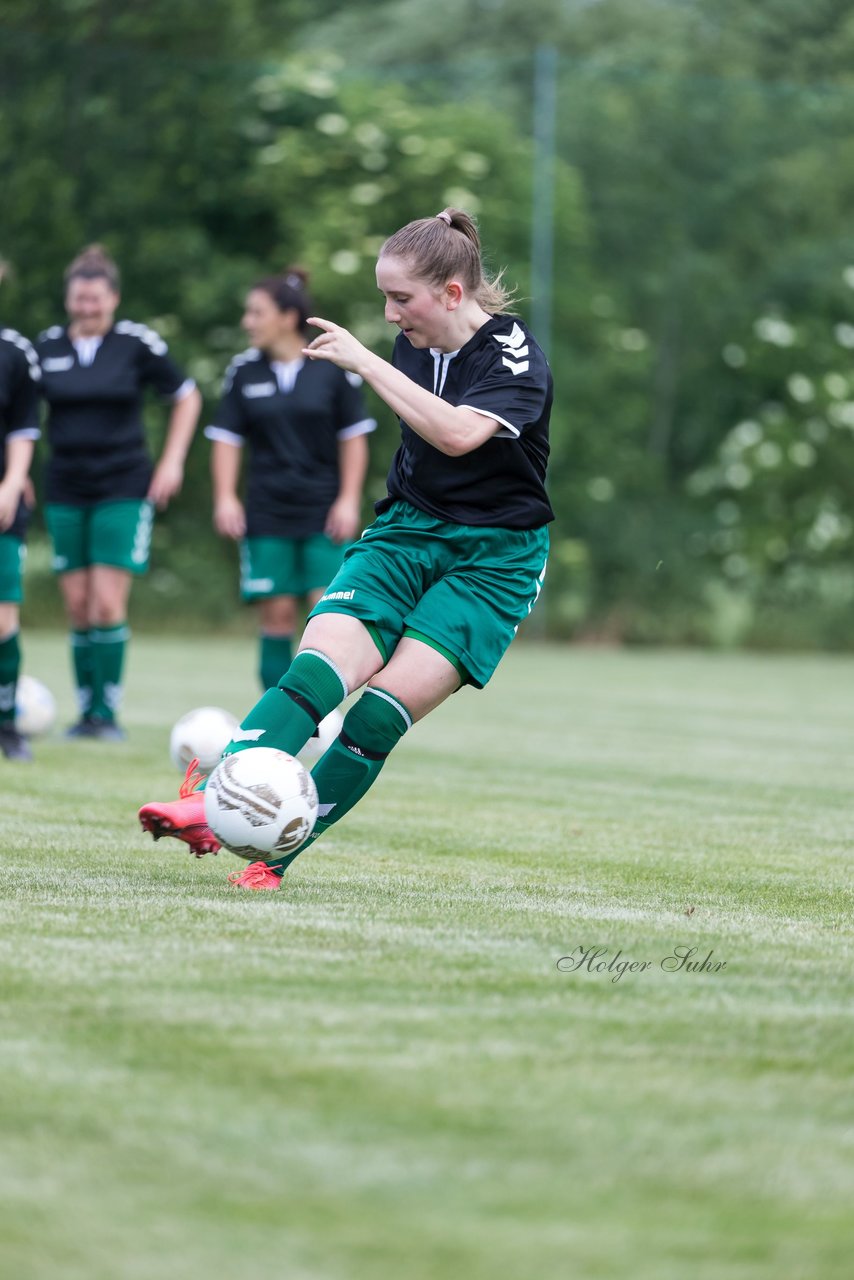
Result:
x=447 y=247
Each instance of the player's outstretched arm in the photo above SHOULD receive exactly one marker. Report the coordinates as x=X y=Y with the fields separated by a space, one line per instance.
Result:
x=449 y=428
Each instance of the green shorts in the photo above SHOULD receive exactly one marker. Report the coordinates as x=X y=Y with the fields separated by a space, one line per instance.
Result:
x=13 y=553
x=463 y=589
x=287 y=566
x=112 y=533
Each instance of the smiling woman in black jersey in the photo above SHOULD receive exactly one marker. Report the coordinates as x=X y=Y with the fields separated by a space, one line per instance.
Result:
x=304 y=428
x=102 y=487
x=432 y=594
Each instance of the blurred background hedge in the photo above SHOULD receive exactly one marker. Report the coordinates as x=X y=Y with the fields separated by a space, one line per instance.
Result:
x=684 y=170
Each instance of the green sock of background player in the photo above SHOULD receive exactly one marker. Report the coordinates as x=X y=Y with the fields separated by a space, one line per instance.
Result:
x=84 y=673
x=10 y=666
x=108 y=657
x=274 y=658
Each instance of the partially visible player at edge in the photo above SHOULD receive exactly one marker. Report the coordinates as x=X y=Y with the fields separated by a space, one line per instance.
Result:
x=431 y=596
x=19 y=429
x=101 y=485
x=305 y=430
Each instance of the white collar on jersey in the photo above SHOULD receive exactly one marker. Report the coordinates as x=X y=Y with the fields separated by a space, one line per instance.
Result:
x=441 y=364
x=286 y=372
x=87 y=348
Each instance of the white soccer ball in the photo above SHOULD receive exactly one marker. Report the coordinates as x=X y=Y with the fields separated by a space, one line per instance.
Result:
x=203 y=735
x=35 y=707
x=260 y=802
x=327 y=731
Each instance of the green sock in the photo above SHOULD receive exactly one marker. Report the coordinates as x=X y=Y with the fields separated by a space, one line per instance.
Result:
x=10 y=665
x=275 y=658
x=84 y=673
x=287 y=716
x=372 y=727
x=108 y=655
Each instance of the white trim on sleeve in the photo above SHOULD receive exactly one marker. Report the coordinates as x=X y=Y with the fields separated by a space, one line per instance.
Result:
x=505 y=432
x=225 y=437
x=184 y=390
x=23 y=344
x=363 y=428
x=25 y=433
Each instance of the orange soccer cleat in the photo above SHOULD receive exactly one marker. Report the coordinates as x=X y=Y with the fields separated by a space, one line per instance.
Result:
x=258 y=875
x=183 y=818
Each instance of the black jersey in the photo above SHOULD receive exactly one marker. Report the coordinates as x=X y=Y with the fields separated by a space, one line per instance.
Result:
x=502 y=373
x=19 y=403
x=292 y=417
x=95 y=428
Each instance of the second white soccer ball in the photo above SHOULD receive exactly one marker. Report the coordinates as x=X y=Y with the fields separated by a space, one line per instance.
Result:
x=261 y=802
x=35 y=707
x=327 y=731
x=203 y=735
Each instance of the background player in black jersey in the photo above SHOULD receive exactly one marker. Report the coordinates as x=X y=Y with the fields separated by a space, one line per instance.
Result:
x=101 y=485
x=305 y=429
x=432 y=594
x=19 y=428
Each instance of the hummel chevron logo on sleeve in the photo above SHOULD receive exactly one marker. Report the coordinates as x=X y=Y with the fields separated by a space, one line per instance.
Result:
x=514 y=350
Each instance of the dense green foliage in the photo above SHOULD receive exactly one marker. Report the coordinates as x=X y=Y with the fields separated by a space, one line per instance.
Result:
x=703 y=305
x=379 y=1070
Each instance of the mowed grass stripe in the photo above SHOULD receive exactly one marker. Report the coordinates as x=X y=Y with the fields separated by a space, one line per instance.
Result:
x=381 y=1070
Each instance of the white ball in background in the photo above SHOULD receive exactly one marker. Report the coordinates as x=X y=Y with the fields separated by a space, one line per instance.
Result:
x=327 y=731
x=260 y=802
x=202 y=734
x=35 y=707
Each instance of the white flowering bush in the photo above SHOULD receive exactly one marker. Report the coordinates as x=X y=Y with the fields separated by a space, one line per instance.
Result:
x=775 y=504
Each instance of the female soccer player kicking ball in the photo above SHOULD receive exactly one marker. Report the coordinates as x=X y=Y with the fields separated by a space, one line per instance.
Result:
x=431 y=596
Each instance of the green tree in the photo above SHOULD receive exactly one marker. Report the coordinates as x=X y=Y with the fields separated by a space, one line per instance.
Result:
x=202 y=172
x=703 y=183
x=712 y=146
x=124 y=124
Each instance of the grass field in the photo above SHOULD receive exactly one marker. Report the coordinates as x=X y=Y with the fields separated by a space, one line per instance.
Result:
x=381 y=1071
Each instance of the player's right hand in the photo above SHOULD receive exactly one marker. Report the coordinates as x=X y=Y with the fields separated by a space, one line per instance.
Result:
x=229 y=517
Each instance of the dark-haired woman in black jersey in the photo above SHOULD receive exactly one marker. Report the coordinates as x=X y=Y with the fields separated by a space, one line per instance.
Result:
x=299 y=430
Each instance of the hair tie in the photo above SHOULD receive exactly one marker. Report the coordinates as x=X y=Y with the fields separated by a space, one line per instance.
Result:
x=293 y=281
x=446 y=217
